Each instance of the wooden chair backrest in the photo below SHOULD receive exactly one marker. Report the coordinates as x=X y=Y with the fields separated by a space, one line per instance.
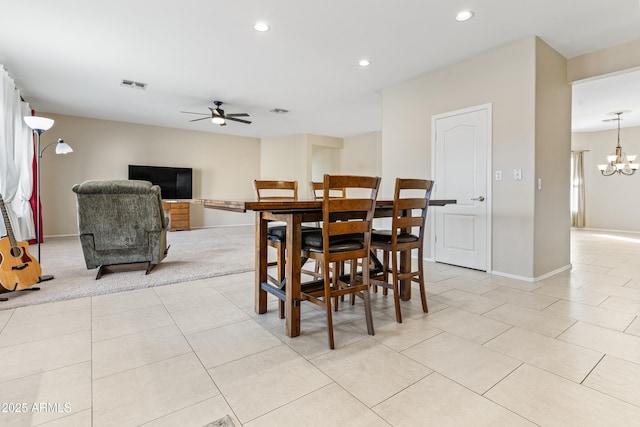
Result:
x=317 y=191
x=349 y=215
x=410 y=195
x=276 y=190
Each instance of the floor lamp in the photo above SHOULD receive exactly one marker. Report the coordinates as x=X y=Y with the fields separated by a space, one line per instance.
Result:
x=40 y=125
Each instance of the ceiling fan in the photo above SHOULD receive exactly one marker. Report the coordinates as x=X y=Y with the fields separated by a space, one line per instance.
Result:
x=219 y=117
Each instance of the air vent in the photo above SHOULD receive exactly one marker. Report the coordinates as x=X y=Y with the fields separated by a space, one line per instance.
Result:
x=133 y=85
x=279 y=111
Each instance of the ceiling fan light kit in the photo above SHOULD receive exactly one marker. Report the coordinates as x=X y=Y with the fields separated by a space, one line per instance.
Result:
x=619 y=163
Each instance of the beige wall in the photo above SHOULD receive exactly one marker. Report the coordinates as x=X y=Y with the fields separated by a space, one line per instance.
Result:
x=552 y=224
x=362 y=155
x=308 y=157
x=324 y=160
x=611 y=203
x=104 y=149
x=354 y=155
x=277 y=158
x=615 y=59
x=504 y=77
x=324 y=156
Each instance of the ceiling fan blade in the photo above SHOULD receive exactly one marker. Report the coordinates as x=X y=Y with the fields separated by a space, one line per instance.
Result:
x=191 y=112
x=238 y=120
x=195 y=120
x=237 y=115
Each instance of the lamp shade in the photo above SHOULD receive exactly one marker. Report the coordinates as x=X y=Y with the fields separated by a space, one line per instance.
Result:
x=63 y=148
x=217 y=120
x=39 y=123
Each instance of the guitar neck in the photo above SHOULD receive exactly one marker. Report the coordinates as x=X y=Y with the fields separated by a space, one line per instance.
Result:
x=7 y=223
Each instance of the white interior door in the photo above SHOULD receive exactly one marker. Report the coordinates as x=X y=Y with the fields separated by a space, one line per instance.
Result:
x=461 y=153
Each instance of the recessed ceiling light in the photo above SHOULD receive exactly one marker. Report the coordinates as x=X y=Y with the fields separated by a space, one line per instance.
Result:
x=364 y=63
x=465 y=15
x=261 y=27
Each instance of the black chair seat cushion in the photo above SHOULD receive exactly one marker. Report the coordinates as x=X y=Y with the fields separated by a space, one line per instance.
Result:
x=312 y=241
x=384 y=236
x=278 y=233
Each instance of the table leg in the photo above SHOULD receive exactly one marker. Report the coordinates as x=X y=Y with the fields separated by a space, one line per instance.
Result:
x=261 y=263
x=292 y=271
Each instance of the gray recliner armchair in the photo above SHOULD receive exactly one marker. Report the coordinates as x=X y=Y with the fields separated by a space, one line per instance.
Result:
x=121 y=222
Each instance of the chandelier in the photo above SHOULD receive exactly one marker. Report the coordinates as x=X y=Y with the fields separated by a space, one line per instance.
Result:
x=620 y=162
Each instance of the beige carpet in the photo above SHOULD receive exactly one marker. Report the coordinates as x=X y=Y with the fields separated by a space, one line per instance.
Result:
x=193 y=255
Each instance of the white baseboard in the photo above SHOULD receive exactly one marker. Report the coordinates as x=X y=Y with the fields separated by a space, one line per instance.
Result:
x=604 y=230
x=533 y=279
x=523 y=278
x=224 y=226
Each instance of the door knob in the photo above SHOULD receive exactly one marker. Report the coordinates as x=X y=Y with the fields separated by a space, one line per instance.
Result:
x=480 y=199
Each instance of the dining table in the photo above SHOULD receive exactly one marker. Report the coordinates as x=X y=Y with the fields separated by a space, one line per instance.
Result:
x=294 y=214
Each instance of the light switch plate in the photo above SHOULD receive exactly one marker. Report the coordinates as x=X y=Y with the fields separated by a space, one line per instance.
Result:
x=517 y=174
x=498 y=175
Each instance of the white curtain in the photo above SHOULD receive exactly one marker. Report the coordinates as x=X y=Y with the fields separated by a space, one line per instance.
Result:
x=577 y=189
x=16 y=157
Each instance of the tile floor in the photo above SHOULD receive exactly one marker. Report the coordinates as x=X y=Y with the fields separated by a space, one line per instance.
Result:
x=492 y=351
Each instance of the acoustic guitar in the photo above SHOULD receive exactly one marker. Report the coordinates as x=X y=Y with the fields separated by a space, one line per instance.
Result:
x=18 y=269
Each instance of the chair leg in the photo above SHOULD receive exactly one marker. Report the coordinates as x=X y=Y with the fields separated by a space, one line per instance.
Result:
x=374 y=287
x=396 y=287
x=335 y=280
x=385 y=270
x=327 y=301
x=341 y=271
x=352 y=280
x=423 y=291
x=367 y=301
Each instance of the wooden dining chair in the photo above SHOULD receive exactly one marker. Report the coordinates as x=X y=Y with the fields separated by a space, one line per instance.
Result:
x=277 y=234
x=405 y=235
x=317 y=192
x=345 y=236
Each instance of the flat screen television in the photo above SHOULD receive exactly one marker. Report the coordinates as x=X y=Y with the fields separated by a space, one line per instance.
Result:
x=175 y=183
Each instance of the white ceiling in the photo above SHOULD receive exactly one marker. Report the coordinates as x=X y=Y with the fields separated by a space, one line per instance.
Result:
x=69 y=56
x=594 y=102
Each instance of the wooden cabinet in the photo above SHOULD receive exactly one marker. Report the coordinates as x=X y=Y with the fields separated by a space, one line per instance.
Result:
x=178 y=213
